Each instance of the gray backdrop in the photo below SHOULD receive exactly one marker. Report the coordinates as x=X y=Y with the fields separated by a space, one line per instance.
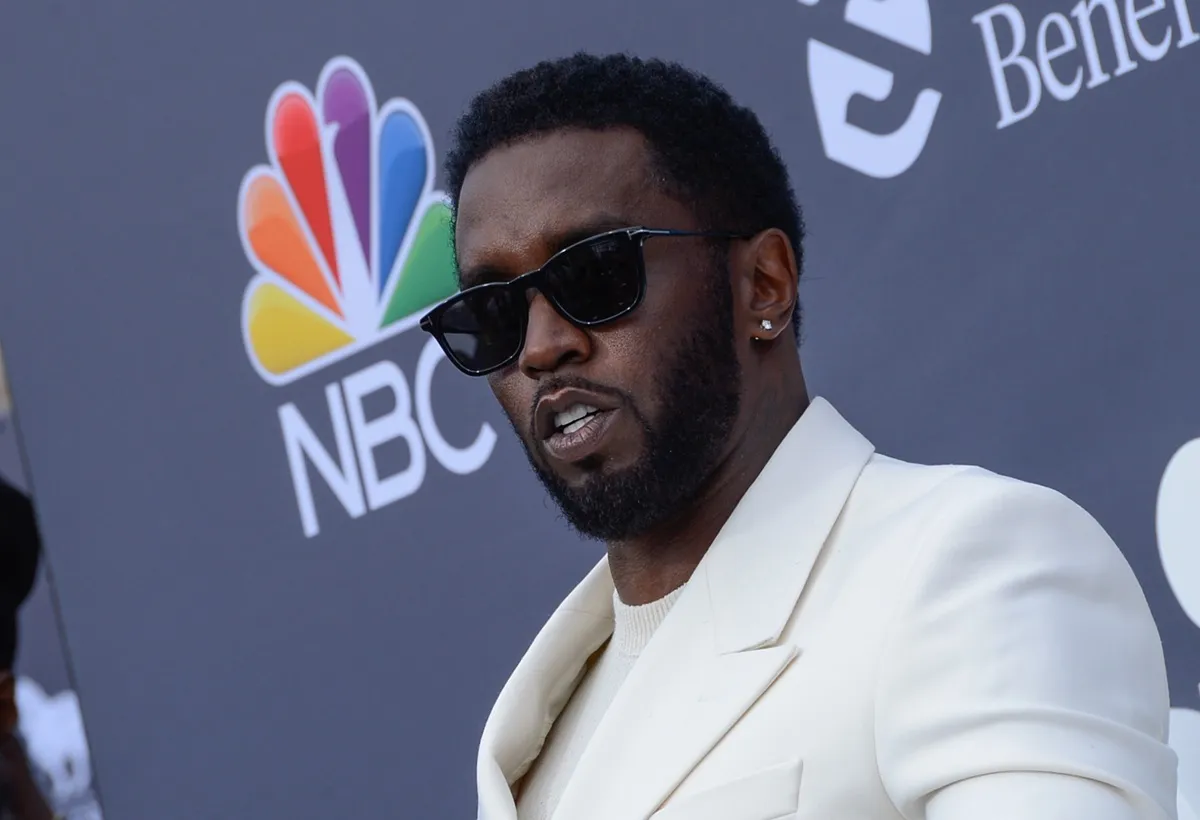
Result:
x=1019 y=292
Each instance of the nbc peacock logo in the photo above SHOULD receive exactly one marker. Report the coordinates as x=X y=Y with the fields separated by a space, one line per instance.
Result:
x=348 y=237
x=349 y=242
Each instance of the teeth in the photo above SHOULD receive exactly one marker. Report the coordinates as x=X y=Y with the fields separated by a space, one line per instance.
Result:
x=576 y=425
x=573 y=417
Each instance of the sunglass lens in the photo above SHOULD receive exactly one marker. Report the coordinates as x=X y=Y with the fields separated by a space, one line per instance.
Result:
x=483 y=329
x=597 y=280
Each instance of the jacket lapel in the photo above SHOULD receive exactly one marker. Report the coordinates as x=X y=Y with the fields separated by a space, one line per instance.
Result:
x=677 y=702
x=718 y=650
x=538 y=690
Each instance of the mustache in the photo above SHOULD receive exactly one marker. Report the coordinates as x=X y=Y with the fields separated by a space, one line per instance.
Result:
x=556 y=383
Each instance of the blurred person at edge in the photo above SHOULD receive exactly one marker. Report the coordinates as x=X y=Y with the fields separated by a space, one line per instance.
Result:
x=787 y=624
x=20 y=549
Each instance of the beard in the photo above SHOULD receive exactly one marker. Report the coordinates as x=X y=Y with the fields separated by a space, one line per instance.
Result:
x=700 y=391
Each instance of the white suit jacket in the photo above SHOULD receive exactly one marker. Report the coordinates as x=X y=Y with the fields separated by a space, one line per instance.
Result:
x=866 y=640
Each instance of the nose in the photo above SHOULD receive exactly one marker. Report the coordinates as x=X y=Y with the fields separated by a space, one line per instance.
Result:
x=550 y=340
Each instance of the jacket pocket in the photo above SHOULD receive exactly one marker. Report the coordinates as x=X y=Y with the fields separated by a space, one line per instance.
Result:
x=768 y=794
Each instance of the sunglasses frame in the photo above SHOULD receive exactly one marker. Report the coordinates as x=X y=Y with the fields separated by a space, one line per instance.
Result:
x=431 y=322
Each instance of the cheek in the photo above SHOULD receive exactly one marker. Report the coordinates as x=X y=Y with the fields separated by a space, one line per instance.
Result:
x=514 y=392
x=648 y=343
x=630 y=357
x=626 y=350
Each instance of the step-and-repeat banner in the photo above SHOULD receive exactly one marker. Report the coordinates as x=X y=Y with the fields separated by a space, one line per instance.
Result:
x=296 y=558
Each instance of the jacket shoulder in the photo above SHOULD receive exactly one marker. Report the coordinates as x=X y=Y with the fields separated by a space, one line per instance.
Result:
x=950 y=493
x=1019 y=639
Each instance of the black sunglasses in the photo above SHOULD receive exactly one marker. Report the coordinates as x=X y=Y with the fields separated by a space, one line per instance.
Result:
x=590 y=283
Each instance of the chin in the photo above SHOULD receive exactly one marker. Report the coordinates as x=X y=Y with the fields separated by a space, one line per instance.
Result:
x=596 y=468
x=581 y=477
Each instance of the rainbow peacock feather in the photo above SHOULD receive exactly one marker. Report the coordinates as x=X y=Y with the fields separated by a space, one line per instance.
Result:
x=347 y=236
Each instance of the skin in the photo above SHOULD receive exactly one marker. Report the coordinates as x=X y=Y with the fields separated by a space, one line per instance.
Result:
x=522 y=203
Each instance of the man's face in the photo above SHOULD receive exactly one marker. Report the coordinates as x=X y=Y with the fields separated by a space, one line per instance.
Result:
x=624 y=423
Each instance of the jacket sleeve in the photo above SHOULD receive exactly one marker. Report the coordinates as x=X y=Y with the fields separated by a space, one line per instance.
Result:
x=1024 y=675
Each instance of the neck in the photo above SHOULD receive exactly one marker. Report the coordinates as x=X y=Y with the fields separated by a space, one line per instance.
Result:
x=662 y=559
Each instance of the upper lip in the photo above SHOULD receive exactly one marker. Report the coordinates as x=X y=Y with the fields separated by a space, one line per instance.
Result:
x=550 y=406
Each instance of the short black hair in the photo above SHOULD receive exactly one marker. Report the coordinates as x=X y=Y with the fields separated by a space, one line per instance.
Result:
x=710 y=153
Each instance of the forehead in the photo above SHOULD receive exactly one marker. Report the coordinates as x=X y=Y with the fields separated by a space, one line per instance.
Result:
x=520 y=202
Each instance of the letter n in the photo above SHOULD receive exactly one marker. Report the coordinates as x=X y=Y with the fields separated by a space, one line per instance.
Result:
x=341 y=476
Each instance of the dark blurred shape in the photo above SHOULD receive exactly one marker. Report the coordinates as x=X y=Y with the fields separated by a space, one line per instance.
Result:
x=20 y=550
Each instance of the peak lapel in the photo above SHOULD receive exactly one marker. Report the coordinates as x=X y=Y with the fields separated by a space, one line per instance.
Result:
x=716 y=652
x=760 y=563
x=538 y=689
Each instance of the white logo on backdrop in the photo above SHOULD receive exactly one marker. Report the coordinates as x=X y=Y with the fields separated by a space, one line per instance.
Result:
x=1070 y=51
x=835 y=77
x=1057 y=67
x=1178 y=524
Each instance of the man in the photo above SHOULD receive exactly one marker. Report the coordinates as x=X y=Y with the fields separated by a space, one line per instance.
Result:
x=787 y=624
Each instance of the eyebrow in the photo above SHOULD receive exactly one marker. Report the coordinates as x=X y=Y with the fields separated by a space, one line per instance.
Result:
x=594 y=225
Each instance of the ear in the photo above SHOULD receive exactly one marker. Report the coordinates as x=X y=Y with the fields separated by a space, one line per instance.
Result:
x=765 y=285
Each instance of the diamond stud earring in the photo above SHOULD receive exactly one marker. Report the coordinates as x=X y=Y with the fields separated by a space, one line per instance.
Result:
x=766 y=324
